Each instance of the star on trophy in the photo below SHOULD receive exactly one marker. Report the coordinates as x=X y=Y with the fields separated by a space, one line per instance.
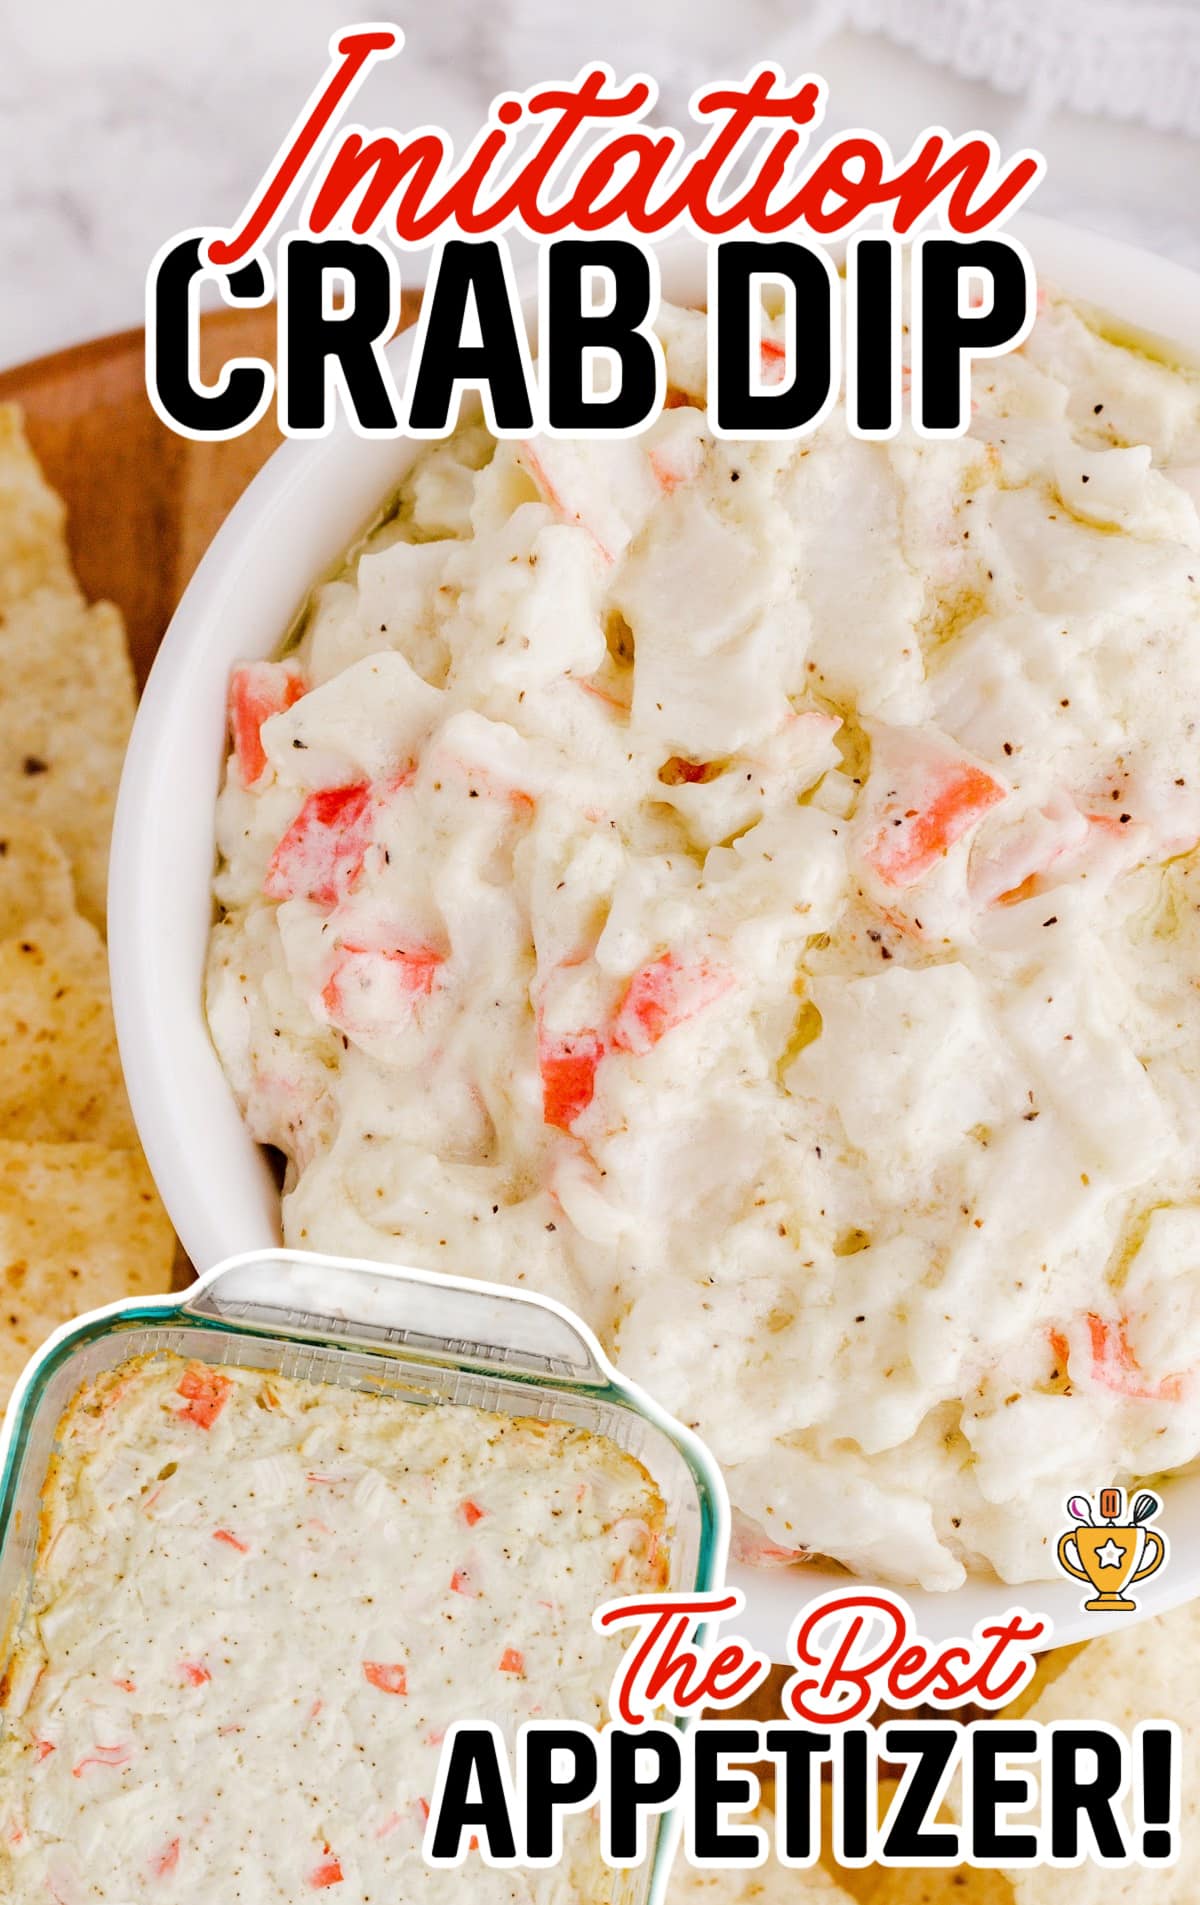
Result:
x=1110 y=1553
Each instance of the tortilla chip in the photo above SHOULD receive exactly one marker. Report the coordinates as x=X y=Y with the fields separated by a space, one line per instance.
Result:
x=80 y=1225
x=1050 y=1665
x=963 y=1885
x=33 y=544
x=71 y=945
x=65 y=716
x=60 y=1077
x=769 y=1884
x=902 y=1885
x=766 y=1702
x=35 y=875
x=1147 y=1672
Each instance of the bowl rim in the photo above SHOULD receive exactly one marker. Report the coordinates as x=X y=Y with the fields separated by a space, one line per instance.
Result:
x=317 y=496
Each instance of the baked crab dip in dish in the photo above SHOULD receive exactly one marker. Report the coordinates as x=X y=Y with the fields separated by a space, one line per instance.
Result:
x=748 y=891
x=258 y=1603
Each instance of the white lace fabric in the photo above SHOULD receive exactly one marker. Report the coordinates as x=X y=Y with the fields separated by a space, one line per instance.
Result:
x=1123 y=59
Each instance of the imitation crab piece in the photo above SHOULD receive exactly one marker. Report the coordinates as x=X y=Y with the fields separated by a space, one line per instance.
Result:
x=659 y=997
x=194 y=1673
x=164 y=1862
x=810 y=724
x=602 y=695
x=485 y=757
x=472 y=1512
x=257 y=691
x=1114 y=1365
x=512 y=1660
x=552 y=475
x=228 y=1539
x=645 y=1546
x=676 y=455
x=389 y=1676
x=1015 y=867
x=1116 y=842
x=609 y=499
x=1065 y=841
x=328 y=1872
x=773 y=360
x=205 y=1392
x=663 y=995
x=754 y=1547
x=926 y=797
x=117 y=1756
x=568 y=1067
x=373 y=985
x=321 y=855
x=669 y=472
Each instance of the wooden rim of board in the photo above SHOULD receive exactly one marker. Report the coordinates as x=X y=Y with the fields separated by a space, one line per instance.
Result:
x=142 y=503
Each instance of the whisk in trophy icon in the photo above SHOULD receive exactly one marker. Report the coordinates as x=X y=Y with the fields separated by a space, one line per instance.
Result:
x=1111 y=1553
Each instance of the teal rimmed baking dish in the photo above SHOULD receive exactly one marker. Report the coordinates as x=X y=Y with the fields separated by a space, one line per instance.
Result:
x=412 y=1334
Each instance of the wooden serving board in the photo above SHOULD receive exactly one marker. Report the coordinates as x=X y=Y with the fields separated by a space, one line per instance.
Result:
x=143 y=503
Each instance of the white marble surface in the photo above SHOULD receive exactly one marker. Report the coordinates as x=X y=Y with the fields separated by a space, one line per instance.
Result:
x=125 y=121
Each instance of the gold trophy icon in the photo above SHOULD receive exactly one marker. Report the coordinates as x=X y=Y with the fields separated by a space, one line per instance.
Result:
x=1110 y=1554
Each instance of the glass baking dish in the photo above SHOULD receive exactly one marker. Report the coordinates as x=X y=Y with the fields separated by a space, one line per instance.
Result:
x=419 y=1336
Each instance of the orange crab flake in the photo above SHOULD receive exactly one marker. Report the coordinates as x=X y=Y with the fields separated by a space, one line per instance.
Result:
x=320 y=857
x=912 y=838
x=568 y=1068
x=663 y=995
x=256 y=692
x=205 y=1393
x=118 y=1756
x=163 y=1863
x=329 y=1872
x=388 y=1676
x=1114 y=1365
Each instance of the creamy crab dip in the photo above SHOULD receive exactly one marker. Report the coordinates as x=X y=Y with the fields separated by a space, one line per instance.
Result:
x=259 y=1603
x=748 y=891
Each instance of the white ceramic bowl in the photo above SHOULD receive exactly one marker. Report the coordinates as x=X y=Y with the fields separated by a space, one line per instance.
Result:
x=306 y=506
